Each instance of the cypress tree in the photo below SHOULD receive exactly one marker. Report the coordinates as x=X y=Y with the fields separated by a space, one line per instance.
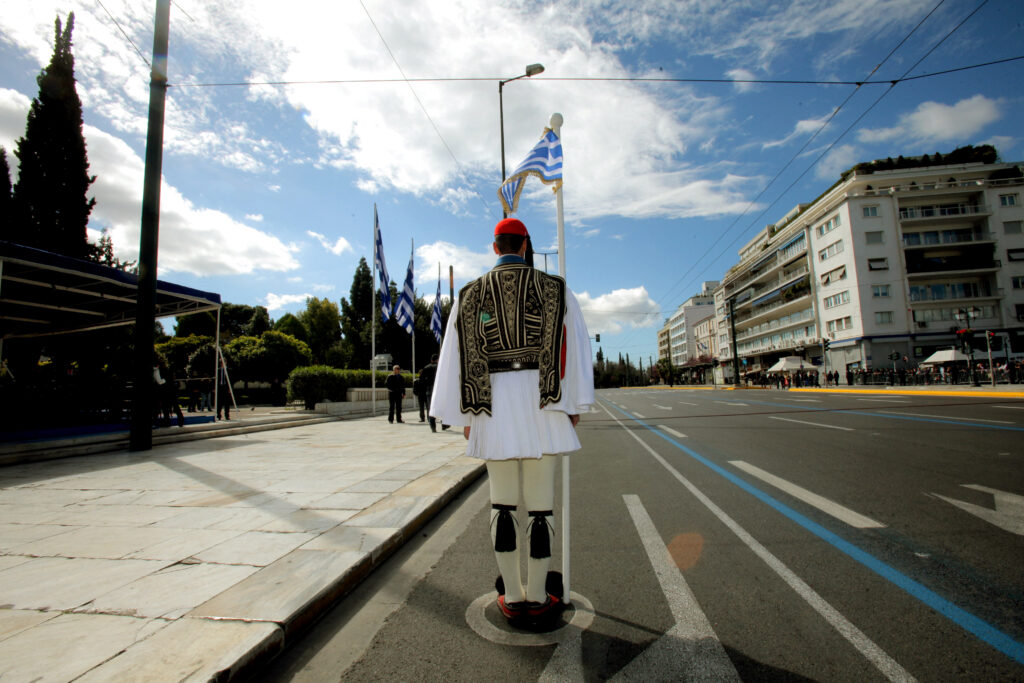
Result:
x=5 y=197
x=50 y=203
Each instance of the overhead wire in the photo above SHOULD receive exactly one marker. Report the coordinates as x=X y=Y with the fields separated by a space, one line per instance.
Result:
x=125 y=34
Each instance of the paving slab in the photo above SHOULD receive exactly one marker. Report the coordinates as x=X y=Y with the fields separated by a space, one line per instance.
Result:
x=14 y=621
x=51 y=583
x=257 y=548
x=193 y=650
x=101 y=542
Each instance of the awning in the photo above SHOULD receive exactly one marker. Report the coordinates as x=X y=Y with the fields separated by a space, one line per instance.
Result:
x=42 y=293
x=791 y=242
x=944 y=356
x=788 y=364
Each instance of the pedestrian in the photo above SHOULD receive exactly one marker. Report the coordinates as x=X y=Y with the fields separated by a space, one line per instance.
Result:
x=426 y=379
x=223 y=391
x=169 y=396
x=395 y=384
x=417 y=391
x=515 y=373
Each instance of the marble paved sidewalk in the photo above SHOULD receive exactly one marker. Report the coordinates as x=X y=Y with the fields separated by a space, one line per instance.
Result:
x=200 y=559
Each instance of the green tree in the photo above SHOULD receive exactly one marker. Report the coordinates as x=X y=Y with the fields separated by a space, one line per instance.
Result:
x=236 y=320
x=323 y=321
x=282 y=354
x=355 y=317
x=291 y=325
x=103 y=253
x=5 y=196
x=178 y=350
x=50 y=202
x=259 y=322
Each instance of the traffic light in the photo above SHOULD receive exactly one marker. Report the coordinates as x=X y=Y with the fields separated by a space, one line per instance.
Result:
x=965 y=338
x=597 y=337
x=824 y=345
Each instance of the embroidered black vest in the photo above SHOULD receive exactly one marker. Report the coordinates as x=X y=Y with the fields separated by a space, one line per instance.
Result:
x=511 y=318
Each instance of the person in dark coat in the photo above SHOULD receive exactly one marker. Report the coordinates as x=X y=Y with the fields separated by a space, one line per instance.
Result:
x=396 y=393
x=426 y=380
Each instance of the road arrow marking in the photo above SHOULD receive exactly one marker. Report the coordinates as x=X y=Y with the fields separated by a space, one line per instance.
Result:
x=1009 y=512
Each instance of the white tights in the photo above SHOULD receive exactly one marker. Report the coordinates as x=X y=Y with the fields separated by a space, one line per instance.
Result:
x=536 y=479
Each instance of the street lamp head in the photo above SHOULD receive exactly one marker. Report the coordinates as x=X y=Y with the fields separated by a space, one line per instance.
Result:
x=534 y=69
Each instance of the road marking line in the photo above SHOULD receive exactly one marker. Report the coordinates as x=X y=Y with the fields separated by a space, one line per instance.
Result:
x=829 y=507
x=884 y=400
x=678 y=435
x=639 y=416
x=690 y=650
x=871 y=651
x=804 y=400
x=1010 y=407
x=732 y=403
x=946 y=417
x=685 y=403
x=662 y=407
x=815 y=424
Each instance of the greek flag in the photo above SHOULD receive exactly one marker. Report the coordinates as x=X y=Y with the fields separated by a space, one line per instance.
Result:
x=543 y=161
x=404 y=309
x=382 y=271
x=435 y=317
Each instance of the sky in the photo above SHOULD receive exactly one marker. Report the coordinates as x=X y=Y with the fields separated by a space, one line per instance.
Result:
x=287 y=122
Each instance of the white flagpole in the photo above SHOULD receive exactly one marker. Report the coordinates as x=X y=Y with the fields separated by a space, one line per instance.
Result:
x=556 y=127
x=373 y=322
x=412 y=247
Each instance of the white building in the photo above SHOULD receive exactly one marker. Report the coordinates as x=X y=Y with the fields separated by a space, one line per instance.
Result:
x=682 y=341
x=883 y=263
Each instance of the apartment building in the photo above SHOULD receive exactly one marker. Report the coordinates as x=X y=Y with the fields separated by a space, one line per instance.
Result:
x=664 y=346
x=886 y=262
x=682 y=341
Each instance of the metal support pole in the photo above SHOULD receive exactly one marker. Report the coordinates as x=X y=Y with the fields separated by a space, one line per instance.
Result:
x=735 y=351
x=141 y=434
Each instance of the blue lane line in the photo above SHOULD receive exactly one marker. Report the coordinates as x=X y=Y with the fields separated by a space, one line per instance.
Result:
x=967 y=621
x=890 y=416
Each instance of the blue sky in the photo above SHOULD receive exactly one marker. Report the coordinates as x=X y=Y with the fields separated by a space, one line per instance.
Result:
x=269 y=190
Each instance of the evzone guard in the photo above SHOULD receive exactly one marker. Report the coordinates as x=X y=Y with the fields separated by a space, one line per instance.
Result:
x=515 y=373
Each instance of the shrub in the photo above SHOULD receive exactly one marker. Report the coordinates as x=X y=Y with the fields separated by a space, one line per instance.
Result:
x=315 y=383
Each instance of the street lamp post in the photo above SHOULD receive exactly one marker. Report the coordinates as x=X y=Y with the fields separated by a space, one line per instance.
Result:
x=531 y=70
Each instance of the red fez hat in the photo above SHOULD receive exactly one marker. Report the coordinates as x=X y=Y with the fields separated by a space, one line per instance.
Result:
x=510 y=226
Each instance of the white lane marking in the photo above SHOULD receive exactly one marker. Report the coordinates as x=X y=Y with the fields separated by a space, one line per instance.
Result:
x=843 y=514
x=690 y=650
x=731 y=403
x=662 y=407
x=678 y=435
x=686 y=403
x=871 y=651
x=815 y=424
x=884 y=400
x=945 y=417
x=639 y=416
x=805 y=400
x=1009 y=512
x=1010 y=407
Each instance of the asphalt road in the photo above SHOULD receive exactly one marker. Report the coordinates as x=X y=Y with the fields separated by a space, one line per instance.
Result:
x=752 y=535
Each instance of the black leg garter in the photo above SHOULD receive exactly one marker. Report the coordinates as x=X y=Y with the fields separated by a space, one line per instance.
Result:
x=540 y=534
x=505 y=535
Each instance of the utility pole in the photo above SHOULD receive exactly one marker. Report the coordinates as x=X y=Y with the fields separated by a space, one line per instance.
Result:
x=735 y=351
x=141 y=434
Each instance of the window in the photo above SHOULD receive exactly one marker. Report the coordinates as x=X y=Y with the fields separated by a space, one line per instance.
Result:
x=874 y=237
x=870 y=212
x=839 y=324
x=1012 y=227
x=828 y=226
x=1018 y=281
x=830 y=251
x=834 y=275
x=837 y=299
x=1015 y=254
x=878 y=291
x=881 y=263
x=883 y=318
x=1007 y=200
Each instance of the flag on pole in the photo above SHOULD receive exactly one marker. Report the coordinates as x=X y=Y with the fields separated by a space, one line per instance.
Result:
x=404 y=309
x=435 y=317
x=382 y=271
x=543 y=161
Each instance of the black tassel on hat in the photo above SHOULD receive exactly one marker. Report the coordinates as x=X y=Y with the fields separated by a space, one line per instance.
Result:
x=540 y=536
x=505 y=535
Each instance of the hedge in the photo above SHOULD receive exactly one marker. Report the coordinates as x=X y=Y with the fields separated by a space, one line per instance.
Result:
x=315 y=383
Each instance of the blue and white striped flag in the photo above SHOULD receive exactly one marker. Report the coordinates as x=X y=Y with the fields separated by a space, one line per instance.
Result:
x=382 y=271
x=543 y=161
x=435 y=317
x=404 y=310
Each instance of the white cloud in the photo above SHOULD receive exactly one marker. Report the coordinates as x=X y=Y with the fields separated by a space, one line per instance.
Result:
x=279 y=301
x=619 y=309
x=802 y=128
x=934 y=122
x=338 y=247
x=836 y=161
x=467 y=264
x=193 y=239
x=254 y=217
x=323 y=288
x=741 y=75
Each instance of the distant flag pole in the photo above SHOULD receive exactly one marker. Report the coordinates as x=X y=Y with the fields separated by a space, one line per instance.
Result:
x=435 y=316
x=543 y=161
x=385 y=304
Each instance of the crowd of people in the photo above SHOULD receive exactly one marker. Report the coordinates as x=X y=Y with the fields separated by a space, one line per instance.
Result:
x=1007 y=372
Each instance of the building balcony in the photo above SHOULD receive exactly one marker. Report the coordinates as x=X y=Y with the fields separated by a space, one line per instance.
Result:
x=781 y=320
x=931 y=238
x=942 y=212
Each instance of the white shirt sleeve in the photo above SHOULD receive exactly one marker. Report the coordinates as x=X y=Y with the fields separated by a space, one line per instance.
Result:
x=446 y=398
x=578 y=382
